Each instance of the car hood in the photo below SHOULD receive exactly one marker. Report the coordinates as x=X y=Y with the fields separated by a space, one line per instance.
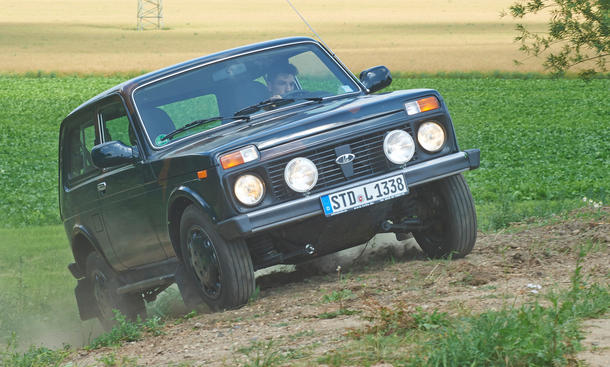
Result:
x=284 y=125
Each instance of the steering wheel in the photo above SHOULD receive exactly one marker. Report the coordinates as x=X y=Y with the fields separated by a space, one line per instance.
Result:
x=296 y=94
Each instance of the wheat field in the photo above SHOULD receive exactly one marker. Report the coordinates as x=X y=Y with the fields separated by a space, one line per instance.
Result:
x=93 y=36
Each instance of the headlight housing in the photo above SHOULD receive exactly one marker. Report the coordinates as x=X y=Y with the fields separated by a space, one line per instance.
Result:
x=398 y=146
x=249 y=189
x=431 y=136
x=301 y=174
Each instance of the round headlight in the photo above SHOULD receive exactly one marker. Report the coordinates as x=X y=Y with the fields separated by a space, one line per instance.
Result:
x=398 y=146
x=301 y=174
x=431 y=136
x=249 y=189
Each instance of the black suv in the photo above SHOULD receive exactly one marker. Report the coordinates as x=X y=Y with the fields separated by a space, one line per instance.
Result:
x=273 y=153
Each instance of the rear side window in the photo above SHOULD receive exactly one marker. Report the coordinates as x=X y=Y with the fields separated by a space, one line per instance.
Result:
x=79 y=142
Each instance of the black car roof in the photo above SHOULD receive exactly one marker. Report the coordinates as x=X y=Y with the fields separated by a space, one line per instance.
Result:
x=142 y=79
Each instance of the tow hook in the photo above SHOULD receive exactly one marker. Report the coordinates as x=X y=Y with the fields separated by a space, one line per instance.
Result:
x=309 y=249
x=279 y=258
x=406 y=226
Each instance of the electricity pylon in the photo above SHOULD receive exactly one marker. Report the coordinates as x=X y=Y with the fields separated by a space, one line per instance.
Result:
x=150 y=14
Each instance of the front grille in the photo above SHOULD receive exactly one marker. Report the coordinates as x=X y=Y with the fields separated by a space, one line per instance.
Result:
x=370 y=161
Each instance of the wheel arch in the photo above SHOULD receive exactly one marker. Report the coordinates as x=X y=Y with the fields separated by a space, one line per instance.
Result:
x=82 y=244
x=179 y=200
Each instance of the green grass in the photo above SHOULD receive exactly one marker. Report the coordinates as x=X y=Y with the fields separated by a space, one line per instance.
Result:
x=539 y=139
x=127 y=331
x=123 y=332
x=32 y=357
x=32 y=109
x=37 y=287
x=545 y=142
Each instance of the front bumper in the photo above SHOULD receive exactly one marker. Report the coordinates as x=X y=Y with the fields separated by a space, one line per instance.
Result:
x=306 y=207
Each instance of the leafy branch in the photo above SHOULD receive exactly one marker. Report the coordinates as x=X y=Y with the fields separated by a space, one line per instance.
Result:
x=577 y=33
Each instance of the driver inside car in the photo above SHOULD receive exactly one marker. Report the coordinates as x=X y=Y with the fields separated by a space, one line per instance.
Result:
x=281 y=80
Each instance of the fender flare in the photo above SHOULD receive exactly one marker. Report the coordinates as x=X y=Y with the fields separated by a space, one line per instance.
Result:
x=178 y=200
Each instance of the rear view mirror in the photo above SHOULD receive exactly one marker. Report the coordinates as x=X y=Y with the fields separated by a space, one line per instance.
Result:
x=111 y=154
x=376 y=78
x=231 y=71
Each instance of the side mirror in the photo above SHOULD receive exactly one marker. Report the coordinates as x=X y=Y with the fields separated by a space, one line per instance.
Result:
x=376 y=78
x=112 y=153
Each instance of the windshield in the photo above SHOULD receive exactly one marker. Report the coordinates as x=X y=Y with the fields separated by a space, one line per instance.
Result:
x=216 y=92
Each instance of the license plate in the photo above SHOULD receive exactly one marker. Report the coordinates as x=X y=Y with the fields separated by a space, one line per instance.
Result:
x=360 y=196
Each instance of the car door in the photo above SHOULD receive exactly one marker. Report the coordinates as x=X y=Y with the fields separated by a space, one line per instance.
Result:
x=79 y=200
x=127 y=195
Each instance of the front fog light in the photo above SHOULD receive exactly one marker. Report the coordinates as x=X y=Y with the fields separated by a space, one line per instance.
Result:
x=301 y=174
x=398 y=146
x=431 y=136
x=249 y=189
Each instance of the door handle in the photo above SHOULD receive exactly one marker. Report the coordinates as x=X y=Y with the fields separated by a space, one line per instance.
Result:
x=101 y=187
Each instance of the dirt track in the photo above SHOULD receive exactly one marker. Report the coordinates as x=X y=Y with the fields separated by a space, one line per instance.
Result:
x=287 y=313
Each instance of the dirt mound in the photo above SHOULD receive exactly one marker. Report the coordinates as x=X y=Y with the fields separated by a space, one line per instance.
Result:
x=300 y=310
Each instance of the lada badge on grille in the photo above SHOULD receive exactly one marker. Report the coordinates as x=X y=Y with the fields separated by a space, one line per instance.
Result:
x=345 y=158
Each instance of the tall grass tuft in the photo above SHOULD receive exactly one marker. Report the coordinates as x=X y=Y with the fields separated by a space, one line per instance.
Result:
x=32 y=357
x=126 y=331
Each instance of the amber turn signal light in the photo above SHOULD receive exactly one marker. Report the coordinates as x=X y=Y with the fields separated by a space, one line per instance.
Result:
x=422 y=105
x=231 y=160
x=202 y=174
x=428 y=104
x=238 y=157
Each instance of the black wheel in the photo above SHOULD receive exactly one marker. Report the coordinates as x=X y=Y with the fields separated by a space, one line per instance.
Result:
x=222 y=270
x=104 y=285
x=447 y=209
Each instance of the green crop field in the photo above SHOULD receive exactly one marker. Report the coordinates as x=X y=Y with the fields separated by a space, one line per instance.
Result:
x=543 y=141
x=29 y=128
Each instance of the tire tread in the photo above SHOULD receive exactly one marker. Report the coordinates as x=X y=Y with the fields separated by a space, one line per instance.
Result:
x=461 y=234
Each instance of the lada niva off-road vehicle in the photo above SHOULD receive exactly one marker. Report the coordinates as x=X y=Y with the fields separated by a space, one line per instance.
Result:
x=273 y=153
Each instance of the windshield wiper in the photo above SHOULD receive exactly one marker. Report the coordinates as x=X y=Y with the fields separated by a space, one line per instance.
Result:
x=195 y=123
x=273 y=103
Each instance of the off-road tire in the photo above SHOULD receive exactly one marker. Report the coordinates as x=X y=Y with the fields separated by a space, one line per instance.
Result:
x=447 y=206
x=221 y=270
x=104 y=285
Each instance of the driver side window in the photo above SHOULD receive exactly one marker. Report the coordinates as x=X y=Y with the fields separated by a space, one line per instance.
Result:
x=115 y=124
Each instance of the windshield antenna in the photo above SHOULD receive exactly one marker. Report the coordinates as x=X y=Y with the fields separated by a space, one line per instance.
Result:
x=312 y=30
